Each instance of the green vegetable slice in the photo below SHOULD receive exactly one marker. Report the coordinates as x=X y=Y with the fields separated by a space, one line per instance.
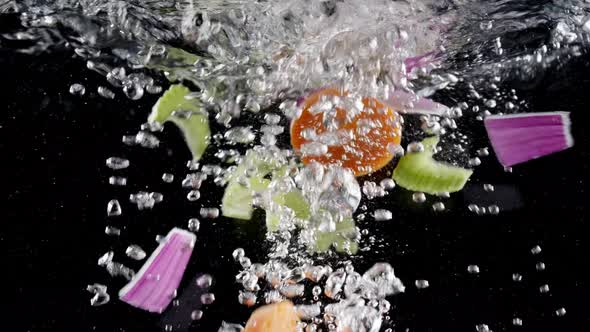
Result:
x=237 y=199
x=195 y=128
x=418 y=171
x=339 y=239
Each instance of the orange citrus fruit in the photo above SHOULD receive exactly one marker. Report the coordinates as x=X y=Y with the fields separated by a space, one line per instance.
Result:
x=355 y=140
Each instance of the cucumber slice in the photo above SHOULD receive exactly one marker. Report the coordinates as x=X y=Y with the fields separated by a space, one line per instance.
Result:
x=338 y=238
x=237 y=199
x=176 y=65
x=420 y=172
x=195 y=128
x=293 y=200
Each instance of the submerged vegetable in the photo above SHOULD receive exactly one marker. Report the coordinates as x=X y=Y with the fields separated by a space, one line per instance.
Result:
x=187 y=115
x=343 y=239
x=355 y=138
x=518 y=138
x=156 y=283
x=418 y=171
x=276 y=317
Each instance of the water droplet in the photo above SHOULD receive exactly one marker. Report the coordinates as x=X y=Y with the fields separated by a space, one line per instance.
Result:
x=334 y=284
x=210 y=213
x=193 y=195
x=372 y=190
x=100 y=297
x=245 y=262
x=118 y=181
x=382 y=214
x=106 y=258
x=205 y=281
x=415 y=147
x=135 y=252
x=421 y=284
x=153 y=89
x=238 y=253
x=474 y=161
x=247 y=298
x=494 y=209
x=105 y=92
x=77 y=89
x=114 y=208
x=438 y=206
x=112 y=231
x=488 y=187
x=117 y=163
x=482 y=328
x=194 y=225
x=486 y=25
x=544 y=288
x=560 y=312
x=387 y=184
x=316 y=290
x=483 y=152
x=146 y=140
x=167 y=177
x=292 y=290
x=419 y=197
x=473 y=269
x=196 y=315
x=132 y=90
x=207 y=298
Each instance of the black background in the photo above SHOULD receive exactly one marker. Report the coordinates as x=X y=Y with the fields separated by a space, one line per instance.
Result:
x=53 y=147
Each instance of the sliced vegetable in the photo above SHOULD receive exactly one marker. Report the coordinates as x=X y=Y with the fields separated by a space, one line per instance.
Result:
x=518 y=138
x=418 y=171
x=293 y=200
x=156 y=283
x=191 y=119
x=340 y=239
x=359 y=141
x=237 y=199
x=276 y=317
x=176 y=64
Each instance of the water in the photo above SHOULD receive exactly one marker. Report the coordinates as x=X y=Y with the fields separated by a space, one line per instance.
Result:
x=252 y=55
x=135 y=252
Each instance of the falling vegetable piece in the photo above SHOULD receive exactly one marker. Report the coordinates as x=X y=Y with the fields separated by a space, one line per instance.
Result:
x=518 y=138
x=187 y=115
x=362 y=135
x=276 y=317
x=176 y=64
x=418 y=171
x=295 y=201
x=238 y=196
x=155 y=285
x=237 y=199
x=342 y=239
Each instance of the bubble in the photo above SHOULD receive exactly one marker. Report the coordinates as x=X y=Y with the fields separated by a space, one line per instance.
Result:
x=421 y=284
x=438 y=206
x=196 y=314
x=473 y=269
x=77 y=89
x=419 y=197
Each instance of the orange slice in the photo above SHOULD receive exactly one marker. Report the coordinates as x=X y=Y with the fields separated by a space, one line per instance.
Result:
x=276 y=317
x=363 y=138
